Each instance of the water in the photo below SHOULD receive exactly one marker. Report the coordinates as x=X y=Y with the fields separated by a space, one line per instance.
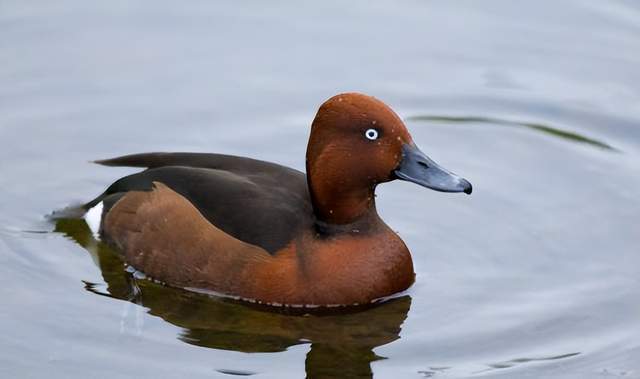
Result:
x=537 y=104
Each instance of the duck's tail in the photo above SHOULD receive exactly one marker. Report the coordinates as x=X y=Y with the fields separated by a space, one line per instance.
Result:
x=75 y=211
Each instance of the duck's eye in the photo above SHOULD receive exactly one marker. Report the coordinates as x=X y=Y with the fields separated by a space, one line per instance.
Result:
x=371 y=134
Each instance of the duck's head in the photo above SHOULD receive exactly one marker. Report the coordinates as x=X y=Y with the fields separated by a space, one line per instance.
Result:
x=357 y=142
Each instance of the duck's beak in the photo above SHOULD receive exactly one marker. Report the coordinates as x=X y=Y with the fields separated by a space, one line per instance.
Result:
x=418 y=168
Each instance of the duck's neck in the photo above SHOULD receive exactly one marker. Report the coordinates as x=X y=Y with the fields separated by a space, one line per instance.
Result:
x=342 y=202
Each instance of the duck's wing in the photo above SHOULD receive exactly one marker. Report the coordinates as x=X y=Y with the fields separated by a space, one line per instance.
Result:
x=204 y=160
x=256 y=202
x=162 y=234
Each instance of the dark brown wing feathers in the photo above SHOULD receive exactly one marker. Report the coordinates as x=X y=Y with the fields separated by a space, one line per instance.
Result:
x=257 y=202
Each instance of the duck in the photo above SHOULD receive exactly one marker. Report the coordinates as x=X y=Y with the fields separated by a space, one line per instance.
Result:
x=269 y=234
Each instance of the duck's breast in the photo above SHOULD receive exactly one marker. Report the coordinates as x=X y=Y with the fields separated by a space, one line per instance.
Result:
x=339 y=270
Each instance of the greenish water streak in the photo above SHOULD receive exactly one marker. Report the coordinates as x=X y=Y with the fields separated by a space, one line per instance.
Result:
x=549 y=130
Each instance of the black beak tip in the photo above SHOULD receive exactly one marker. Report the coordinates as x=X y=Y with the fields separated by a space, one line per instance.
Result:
x=468 y=188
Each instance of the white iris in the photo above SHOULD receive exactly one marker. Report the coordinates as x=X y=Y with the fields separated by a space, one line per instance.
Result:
x=371 y=134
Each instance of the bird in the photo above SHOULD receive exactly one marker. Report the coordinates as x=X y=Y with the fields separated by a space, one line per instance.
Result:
x=265 y=233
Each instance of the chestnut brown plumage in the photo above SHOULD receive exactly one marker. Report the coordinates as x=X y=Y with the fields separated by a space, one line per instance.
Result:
x=268 y=233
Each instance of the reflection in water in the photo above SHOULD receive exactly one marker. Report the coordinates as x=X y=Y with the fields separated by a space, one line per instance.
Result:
x=553 y=131
x=341 y=343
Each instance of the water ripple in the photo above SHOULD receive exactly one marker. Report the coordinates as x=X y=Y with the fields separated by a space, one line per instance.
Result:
x=549 y=130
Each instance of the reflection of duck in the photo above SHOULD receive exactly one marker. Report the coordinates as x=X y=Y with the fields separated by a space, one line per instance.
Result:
x=260 y=231
x=341 y=344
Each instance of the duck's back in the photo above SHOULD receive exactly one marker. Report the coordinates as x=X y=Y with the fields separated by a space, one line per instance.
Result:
x=257 y=202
